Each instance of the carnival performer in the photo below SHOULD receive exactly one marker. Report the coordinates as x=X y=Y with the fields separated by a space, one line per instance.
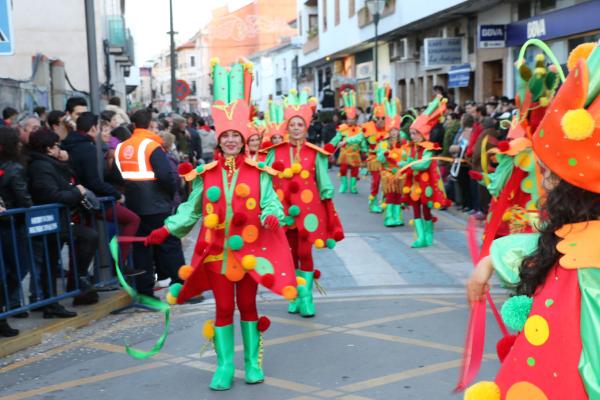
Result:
x=423 y=188
x=241 y=243
x=276 y=129
x=306 y=191
x=253 y=143
x=555 y=273
x=351 y=141
x=390 y=154
x=375 y=132
x=514 y=184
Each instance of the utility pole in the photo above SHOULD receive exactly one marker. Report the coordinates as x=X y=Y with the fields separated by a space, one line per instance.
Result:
x=173 y=60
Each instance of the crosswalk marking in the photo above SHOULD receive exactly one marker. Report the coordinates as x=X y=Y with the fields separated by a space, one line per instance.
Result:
x=366 y=266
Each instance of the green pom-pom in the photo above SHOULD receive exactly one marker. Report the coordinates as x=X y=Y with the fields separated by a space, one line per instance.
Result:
x=261 y=164
x=525 y=72
x=394 y=170
x=428 y=191
x=330 y=243
x=516 y=311
x=236 y=242
x=213 y=193
x=294 y=211
x=174 y=289
x=200 y=168
x=536 y=87
x=289 y=220
x=430 y=204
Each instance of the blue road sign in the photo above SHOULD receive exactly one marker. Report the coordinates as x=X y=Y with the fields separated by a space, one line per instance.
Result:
x=7 y=42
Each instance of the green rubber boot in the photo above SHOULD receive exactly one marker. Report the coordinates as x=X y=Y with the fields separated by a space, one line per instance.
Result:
x=398 y=218
x=374 y=206
x=294 y=305
x=420 y=229
x=252 y=364
x=307 y=307
x=428 y=225
x=343 y=184
x=353 y=188
x=223 y=377
x=389 y=216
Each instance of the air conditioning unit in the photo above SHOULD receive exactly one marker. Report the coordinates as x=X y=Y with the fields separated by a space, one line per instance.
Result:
x=399 y=49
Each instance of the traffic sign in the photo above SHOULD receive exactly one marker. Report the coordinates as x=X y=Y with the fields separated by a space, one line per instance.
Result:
x=6 y=34
x=182 y=89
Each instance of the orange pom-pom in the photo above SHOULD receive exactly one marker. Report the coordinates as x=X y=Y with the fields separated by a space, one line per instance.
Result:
x=208 y=330
x=248 y=262
x=289 y=293
x=581 y=51
x=242 y=190
x=319 y=243
x=185 y=271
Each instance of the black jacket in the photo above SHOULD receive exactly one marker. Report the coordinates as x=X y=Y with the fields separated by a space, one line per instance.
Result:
x=84 y=162
x=150 y=197
x=196 y=143
x=51 y=181
x=13 y=185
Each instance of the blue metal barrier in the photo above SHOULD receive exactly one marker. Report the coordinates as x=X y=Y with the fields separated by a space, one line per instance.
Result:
x=31 y=243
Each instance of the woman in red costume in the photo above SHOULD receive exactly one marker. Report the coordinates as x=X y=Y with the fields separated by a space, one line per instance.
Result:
x=241 y=243
x=305 y=189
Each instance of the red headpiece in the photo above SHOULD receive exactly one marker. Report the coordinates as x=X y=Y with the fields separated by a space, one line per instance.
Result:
x=425 y=122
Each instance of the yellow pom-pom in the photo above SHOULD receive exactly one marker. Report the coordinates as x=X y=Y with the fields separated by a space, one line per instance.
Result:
x=540 y=58
x=544 y=101
x=411 y=222
x=296 y=168
x=437 y=205
x=507 y=216
x=171 y=299
x=248 y=262
x=288 y=173
x=211 y=221
x=540 y=71
x=581 y=51
x=577 y=124
x=384 y=206
x=300 y=281
x=371 y=197
x=319 y=243
x=293 y=91
x=185 y=271
x=289 y=293
x=406 y=189
x=384 y=145
x=214 y=61
x=208 y=330
x=484 y=390
x=419 y=191
x=249 y=66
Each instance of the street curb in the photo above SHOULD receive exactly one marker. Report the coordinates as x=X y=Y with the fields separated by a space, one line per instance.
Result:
x=92 y=313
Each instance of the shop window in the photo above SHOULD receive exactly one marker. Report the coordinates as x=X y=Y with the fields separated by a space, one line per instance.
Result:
x=278 y=87
x=546 y=5
x=193 y=88
x=524 y=10
x=192 y=61
x=471 y=34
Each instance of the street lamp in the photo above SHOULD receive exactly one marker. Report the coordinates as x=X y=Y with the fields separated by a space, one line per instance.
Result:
x=376 y=8
x=173 y=59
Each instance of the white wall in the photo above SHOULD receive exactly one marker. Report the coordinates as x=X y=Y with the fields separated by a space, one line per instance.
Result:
x=348 y=34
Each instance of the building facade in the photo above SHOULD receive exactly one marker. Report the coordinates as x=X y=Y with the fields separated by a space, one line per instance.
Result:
x=50 y=52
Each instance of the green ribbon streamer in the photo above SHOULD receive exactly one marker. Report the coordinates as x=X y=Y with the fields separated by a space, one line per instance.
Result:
x=593 y=63
x=144 y=300
x=544 y=47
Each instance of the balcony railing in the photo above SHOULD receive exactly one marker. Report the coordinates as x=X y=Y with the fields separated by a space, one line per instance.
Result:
x=365 y=18
x=312 y=44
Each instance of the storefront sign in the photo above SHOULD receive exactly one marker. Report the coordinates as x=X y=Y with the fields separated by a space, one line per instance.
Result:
x=7 y=40
x=42 y=222
x=459 y=76
x=442 y=51
x=492 y=36
x=364 y=70
x=567 y=21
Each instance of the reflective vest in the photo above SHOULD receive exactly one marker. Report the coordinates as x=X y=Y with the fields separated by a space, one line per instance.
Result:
x=133 y=155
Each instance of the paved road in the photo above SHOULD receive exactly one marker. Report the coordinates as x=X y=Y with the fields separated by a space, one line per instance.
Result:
x=391 y=327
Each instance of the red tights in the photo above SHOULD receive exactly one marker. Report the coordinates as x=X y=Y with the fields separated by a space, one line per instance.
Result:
x=344 y=170
x=417 y=206
x=301 y=251
x=375 y=179
x=393 y=198
x=245 y=297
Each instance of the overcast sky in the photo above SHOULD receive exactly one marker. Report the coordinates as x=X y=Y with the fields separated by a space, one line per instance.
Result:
x=148 y=21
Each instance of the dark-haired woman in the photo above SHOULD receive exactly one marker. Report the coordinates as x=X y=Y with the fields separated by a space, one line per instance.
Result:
x=14 y=193
x=52 y=181
x=556 y=273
